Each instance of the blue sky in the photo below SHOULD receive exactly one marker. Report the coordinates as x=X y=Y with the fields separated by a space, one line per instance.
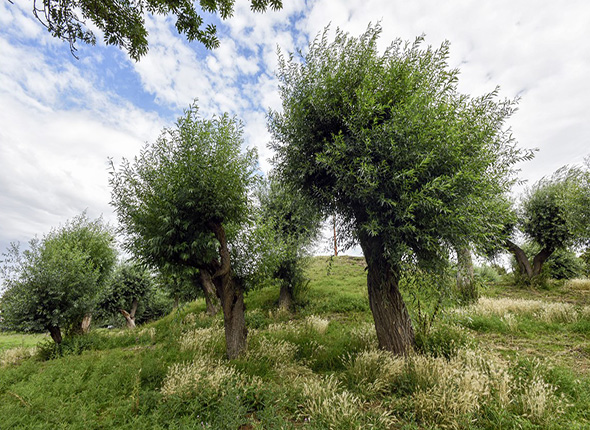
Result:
x=62 y=118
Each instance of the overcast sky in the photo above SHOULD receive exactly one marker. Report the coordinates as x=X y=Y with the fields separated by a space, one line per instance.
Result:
x=62 y=118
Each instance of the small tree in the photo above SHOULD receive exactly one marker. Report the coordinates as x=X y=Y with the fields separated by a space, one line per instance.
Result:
x=553 y=215
x=54 y=284
x=130 y=285
x=123 y=22
x=177 y=198
x=388 y=143
x=293 y=223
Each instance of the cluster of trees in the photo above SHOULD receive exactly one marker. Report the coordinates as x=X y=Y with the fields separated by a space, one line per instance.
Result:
x=413 y=170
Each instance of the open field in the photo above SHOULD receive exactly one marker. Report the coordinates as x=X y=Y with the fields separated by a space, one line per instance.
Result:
x=516 y=359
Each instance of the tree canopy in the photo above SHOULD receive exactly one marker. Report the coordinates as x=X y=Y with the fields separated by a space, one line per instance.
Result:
x=177 y=201
x=54 y=283
x=123 y=22
x=386 y=141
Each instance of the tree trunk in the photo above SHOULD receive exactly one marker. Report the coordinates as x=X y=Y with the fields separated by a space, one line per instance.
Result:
x=85 y=325
x=55 y=333
x=130 y=316
x=465 y=276
x=392 y=320
x=208 y=287
x=526 y=270
x=231 y=295
x=539 y=259
x=286 y=296
x=176 y=302
x=521 y=258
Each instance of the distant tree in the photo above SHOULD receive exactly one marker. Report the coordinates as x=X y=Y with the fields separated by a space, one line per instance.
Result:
x=553 y=215
x=178 y=197
x=293 y=223
x=387 y=142
x=186 y=283
x=54 y=284
x=131 y=284
x=123 y=22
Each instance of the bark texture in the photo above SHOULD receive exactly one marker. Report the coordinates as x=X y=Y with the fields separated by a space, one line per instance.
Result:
x=86 y=323
x=55 y=333
x=209 y=292
x=528 y=271
x=392 y=320
x=286 y=296
x=231 y=296
x=130 y=316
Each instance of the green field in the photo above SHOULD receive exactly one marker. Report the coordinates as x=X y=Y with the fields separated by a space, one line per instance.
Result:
x=517 y=359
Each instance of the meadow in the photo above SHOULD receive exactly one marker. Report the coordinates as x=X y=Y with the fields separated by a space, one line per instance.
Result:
x=518 y=358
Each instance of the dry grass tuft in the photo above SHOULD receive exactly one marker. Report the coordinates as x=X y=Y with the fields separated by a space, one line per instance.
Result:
x=16 y=355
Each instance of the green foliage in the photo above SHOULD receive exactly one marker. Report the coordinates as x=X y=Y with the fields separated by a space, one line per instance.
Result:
x=123 y=22
x=291 y=224
x=192 y=176
x=387 y=142
x=55 y=282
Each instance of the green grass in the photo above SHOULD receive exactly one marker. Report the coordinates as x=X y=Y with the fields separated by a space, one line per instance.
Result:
x=316 y=368
x=14 y=340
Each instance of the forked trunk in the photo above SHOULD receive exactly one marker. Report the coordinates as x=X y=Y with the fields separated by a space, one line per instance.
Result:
x=286 y=296
x=55 y=333
x=231 y=295
x=130 y=316
x=209 y=292
x=465 y=276
x=392 y=320
x=521 y=259
x=528 y=271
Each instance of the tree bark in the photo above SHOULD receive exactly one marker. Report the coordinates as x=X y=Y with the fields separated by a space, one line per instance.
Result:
x=211 y=300
x=55 y=333
x=86 y=323
x=392 y=320
x=231 y=295
x=521 y=258
x=528 y=271
x=539 y=259
x=286 y=296
x=130 y=316
x=465 y=276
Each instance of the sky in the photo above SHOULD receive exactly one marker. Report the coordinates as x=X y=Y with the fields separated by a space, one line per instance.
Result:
x=62 y=118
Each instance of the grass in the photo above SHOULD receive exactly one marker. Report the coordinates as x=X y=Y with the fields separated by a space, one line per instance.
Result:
x=515 y=359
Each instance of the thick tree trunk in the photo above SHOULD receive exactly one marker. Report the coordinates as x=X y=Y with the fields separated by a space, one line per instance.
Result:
x=465 y=276
x=539 y=259
x=130 y=316
x=523 y=262
x=231 y=295
x=286 y=296
x=526 y=270
x=85 y=325
x=55 y=333
x=208 y=287
x=392 y=320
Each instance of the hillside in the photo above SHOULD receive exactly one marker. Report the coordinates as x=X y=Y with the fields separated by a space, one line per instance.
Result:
x=516 y=359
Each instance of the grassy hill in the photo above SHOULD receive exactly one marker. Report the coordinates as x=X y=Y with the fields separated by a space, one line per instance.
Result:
x=516 y=359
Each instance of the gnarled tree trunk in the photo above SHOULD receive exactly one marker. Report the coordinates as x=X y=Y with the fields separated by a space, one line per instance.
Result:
x=231 y=295
x=208 y=287
x=85 y=325
x=286 y=296
x=528 y=271
x=465 y=276
x=130 y=316
x=55 y=333
x=392 y=320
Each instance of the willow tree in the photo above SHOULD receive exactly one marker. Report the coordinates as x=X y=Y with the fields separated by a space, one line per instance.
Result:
x=176 y=200
x=553 y=216
x=387 y=142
